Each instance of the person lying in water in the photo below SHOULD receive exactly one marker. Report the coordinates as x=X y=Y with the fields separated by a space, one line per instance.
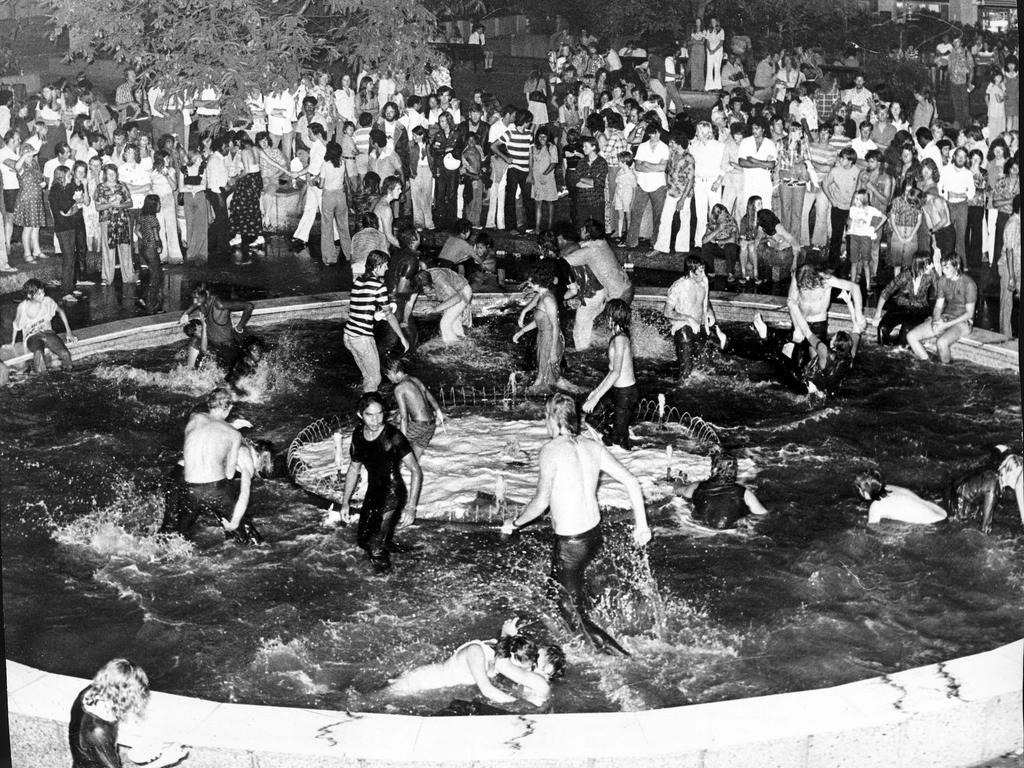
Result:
x=514 y=657
x=720 y=502
x=822 y=373
x=891 y=502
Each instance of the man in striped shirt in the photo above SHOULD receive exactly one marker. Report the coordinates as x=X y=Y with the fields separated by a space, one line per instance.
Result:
x=517 y=145
x=822 y=156
x=368 y=302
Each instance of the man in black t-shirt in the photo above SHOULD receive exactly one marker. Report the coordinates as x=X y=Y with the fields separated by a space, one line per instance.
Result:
x=402 y=288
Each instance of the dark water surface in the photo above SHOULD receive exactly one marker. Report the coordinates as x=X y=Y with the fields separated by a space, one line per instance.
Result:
x=810 y=597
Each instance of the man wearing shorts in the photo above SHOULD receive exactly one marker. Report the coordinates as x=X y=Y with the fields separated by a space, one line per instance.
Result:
x=9 y=154
x=419 y=413
x=34 y=318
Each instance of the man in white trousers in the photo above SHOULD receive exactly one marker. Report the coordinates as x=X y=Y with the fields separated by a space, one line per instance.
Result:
x=708 y=176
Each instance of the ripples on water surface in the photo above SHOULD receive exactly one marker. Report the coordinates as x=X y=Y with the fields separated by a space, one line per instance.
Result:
x=809 y=598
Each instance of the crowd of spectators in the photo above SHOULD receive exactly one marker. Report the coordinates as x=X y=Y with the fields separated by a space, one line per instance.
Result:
x=786 y=159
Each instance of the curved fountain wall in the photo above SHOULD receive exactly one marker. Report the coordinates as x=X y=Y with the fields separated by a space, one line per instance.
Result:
x=955 y=713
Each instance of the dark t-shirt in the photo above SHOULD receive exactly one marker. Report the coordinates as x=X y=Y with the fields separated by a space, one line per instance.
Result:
x=93 y=740
x=958 y=293
x=61 y=199
x=382 y=458
x=719 y=504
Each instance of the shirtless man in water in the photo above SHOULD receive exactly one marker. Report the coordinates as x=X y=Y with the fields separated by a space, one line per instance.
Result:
x=688 y=307
x=419 y=412
x=570 y=467
x=214 y=451
x=810 y=296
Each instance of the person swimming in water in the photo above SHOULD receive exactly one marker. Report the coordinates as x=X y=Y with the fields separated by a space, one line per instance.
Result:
x=418 y=410
x=821 y=374
x=383 y=450
x=570 y=467
x=514 y=657
x=720 y=502
x=619 y=382
x=892 y=502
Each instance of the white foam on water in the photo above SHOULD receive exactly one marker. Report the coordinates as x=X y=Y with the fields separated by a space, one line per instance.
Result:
x=475 y=451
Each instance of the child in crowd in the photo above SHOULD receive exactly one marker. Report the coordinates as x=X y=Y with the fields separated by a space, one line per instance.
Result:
x=625 y=187
x=349 y=152
x=749 y=237
x=864 y=228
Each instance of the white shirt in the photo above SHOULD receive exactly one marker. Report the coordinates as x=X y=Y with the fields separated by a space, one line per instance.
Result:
x=316 y=157
x=7 y=174
x=649 y=181
x=208 y=94
x=931 y=150
x=217 y=172
x=707 y=158
x=477 y=38
x=154 y=96
x=498 y=132
x=280 y=108
x=345 y=103
x=51 y=165
x=411 y=119
x=749 y=150
x=5 y=121
x=614 y=62
x=859 y=101
x=956 y=184
x=862 y=147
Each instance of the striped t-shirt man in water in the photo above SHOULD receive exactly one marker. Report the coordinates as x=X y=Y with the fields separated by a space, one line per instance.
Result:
x=368 y=303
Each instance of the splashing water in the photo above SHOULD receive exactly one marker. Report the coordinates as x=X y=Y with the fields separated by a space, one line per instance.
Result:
x=284 y=369
x=126 y=527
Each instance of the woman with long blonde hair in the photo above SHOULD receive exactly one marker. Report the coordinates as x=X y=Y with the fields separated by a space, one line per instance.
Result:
x=119 y=692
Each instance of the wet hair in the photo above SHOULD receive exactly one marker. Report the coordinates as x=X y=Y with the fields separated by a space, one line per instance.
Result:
x=619 y=314
x=871 y=484
x=395 y=365
x=561 y=408
x=593 y=229
x=374 y=260
x=724 y=467
x=193 y=328
x=366 y=399
x=406 y=233
x=517 y=648
x=123 y=685
x=266 y=457
x=556 y=658
x=150 y=205
x=221 y=397
x=692 y=262
x=842 y=345
x=369 y=220
x=390 y=183
x=462 y=228
x=544 y=274
x=808 y=278
x=32 y=285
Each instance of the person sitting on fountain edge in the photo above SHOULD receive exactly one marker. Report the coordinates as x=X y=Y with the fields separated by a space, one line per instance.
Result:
x=569 y=470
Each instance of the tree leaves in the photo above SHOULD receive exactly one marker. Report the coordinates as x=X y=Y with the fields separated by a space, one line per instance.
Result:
x=244 y=46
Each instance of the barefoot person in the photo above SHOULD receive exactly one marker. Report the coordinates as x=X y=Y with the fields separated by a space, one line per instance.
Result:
x=569 y=470
x=214 y=452
x=619 y=382
x=550 y=344
x=821 y=372
x=953 y=313
x=891 y=502
x=119 y=692
x=383 y=450
x=419 y=413
x=34 y=318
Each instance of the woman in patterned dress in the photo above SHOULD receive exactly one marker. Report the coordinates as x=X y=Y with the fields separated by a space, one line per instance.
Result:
x=113 y=201
x=245 y=214
x=29 y=212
